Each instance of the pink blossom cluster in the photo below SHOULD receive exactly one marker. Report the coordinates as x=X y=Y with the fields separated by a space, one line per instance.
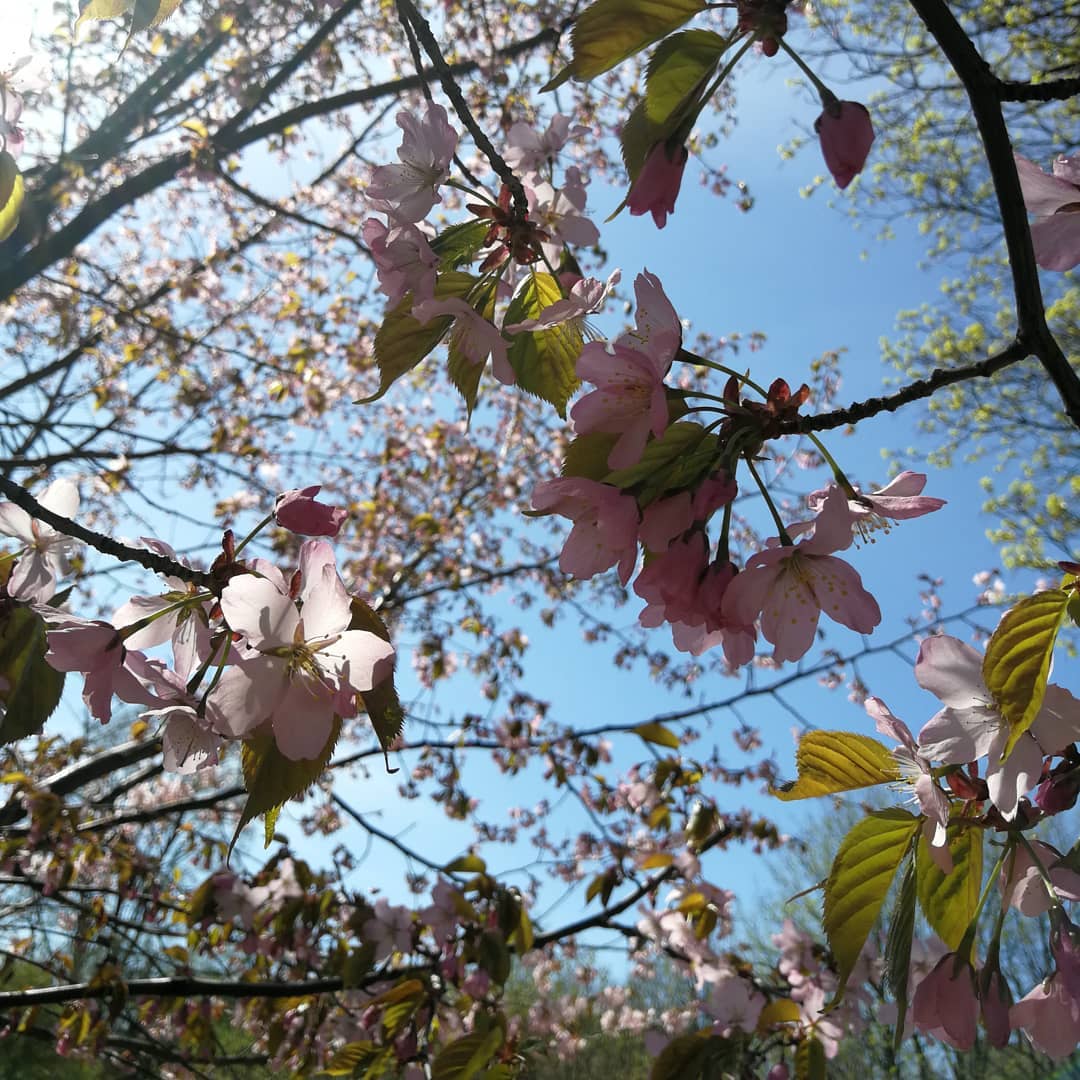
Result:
x=686 y=580
x=257 y=653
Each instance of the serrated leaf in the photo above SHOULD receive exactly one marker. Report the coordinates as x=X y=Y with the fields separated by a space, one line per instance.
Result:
x=810 y=1060
x=1017 y=661
x=402 y=991
x=401 y=342
x=460 y=243
x=463 y=371
x=272 y=779
x=12 y=193
x=859 y=881
x=681 y=456
x=638 y=136
x=544 y=361
x=610 y=31
x=683 y=1058
x=898 y=948
x=832 y=761
x=381 y=702
x=587 y=455
x=352 y=1056
x=949 y=901
x=658 y=734
x=465 y=1057
x=29 y=688
x=679 y=72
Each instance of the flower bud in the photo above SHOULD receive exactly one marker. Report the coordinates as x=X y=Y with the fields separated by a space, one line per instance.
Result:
x=657 y=185
x=846 y=135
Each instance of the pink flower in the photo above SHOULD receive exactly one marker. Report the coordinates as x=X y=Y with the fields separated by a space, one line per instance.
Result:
x=995 y=1000
x=403 y=260
x=789 y=586
x=605 y=525
x=709 y=625
x=898 y=500
x=915 y=769
x=846 y=135
x=43 y=558
x=970 y=726
x=1021 y=881
x=631 y=397
x=406 y=192
x=587 y=297
x=302 y=666
x=1050 y=1016
x=298 y=512
x=657 y=185
x=1055 y=202
x=669 y=582
x=527 y=151
x=471 y=334
x=945 y=1005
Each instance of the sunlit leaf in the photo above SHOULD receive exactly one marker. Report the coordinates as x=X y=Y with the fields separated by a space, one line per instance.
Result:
x=949 y=901
x=679 y=72
x=29 y=688
x=1017 y=661
x=12 y=192
x=859 y=881
x=465 y=1057
x=657 y=733
x=832 y=761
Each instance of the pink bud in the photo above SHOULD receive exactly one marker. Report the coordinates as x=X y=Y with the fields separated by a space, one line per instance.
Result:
x=298 y=512
x=846 y=135
x=657 y=185
x=945 y=1005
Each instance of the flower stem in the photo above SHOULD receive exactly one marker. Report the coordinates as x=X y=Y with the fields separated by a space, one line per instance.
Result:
x=785 y=539
x=826 y=95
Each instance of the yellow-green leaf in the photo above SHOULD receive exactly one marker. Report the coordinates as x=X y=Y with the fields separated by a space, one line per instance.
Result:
x=29 y=688
x=272 y=779
x=810 y=1061
x=544 y=361
x=381 y=702
x=465 y=1057
x=352 y=1056
x=859 y=881
x=678 y=459
x=679 y=72
x=658 y=734
x=466 y=864
x=778 y=1011
x=12 y=192
x=1017 y=661
x=949 y=900
x=610 y=31
x=831 y=761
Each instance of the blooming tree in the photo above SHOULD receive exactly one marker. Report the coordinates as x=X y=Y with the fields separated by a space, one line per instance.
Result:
x=171 y=305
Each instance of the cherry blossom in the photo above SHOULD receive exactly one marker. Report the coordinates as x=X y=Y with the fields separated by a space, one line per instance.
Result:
x=527 y=151
x=899 y=500
x=789 y=586
x=945 y=1004
x=403 y=260
x=406 y=192
x=1021 y=881
x=657 y=185
x=846 y=134
x=605 y=525
x=302 y=665
x=1050 y=1017
x=471 y=334
x=1054 y=201
x=298 y=512
x=587 y=297
x=43 y=558
x=971 y=727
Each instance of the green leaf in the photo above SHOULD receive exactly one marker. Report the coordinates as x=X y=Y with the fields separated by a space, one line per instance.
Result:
x=465 y=1057
x=679 y=72
x=658 y=734
x=810 y=1061
x=859 y=882
x=494 y=957
x=354 y=1055
x=610 y=31
x=700 y=1055
x=638 y=136
x=679 y=458
x=466 y=864
x=949 y=900
x=401 y=342
x=144 y=13
x=544 y=361
x=898 y=948
x=1017 y=661
x=831 y=761
x=12 y=192
x=587 y=455
x=381 y=702
x=272 y=779
x=460 y=243
x=31 y=689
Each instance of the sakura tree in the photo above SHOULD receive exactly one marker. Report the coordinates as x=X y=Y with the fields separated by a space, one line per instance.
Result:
x=301 y=296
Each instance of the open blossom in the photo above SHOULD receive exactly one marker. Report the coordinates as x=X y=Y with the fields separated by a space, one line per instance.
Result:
x=789 y=586
x=657 y=185
x=302 y=666
x=1050 y=1016
x=587 y=297
x=1054 y=200
x=43 y=557
x=846 y=135
x=605 y=525
x=560 y=212
x=403 y=260
x=898 y=500
x=630 y=398
x=471 y=334
x=1021 y=881
x=527 y=151
x=971 y=727
x=406 y=192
